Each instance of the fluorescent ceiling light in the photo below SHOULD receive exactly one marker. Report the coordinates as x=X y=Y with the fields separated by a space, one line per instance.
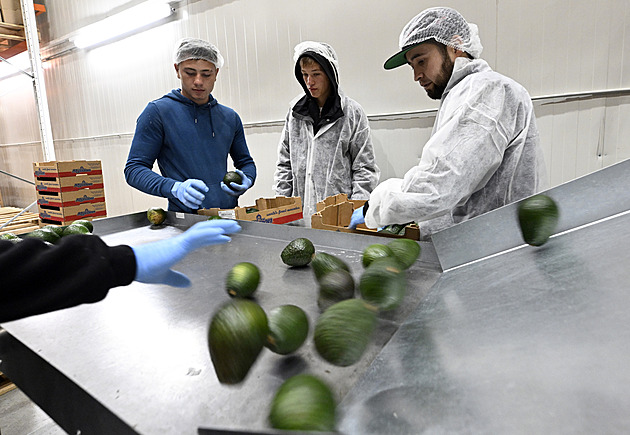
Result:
x=124 y=22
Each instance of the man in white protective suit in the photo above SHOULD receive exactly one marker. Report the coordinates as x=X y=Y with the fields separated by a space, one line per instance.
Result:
x=484 y=149
x=326 y=146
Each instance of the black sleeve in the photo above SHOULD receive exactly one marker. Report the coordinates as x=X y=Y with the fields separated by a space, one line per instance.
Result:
x=36 y=277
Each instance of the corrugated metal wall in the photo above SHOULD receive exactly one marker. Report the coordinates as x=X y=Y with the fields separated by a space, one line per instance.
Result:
x=95 y=96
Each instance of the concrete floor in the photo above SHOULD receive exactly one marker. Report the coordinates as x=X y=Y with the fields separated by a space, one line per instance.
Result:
x=20 y=416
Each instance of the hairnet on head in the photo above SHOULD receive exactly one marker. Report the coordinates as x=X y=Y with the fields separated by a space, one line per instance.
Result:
x=321 y=48
x=445 y=25
x=197 y=49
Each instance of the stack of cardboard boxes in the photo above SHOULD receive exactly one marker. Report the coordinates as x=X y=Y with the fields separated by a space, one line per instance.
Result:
x=69 y=190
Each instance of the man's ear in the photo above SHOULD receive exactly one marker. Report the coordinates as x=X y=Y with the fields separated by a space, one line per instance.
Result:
x=217 y=73
x=177 y=70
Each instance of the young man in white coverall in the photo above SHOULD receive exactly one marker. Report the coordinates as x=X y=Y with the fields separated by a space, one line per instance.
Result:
x=484 y=149
x=326 y=147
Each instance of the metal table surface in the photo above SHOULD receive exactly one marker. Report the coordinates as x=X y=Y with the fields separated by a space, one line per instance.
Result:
x=533 y=341
x=138 y=361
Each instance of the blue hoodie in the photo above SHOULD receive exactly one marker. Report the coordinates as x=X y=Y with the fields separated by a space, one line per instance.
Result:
x=188 y=141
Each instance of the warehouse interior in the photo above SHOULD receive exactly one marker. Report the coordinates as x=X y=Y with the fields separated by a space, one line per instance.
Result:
x=82 y=103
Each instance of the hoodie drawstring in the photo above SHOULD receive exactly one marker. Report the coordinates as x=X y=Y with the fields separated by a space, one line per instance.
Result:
x=210 y=114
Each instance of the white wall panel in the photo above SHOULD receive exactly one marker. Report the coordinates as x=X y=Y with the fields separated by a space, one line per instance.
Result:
x=95 y=96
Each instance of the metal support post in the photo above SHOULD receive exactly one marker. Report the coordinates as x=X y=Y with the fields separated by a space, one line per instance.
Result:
x=39 y=85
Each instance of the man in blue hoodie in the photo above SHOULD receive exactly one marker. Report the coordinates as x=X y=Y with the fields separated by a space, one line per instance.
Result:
x=190 y=135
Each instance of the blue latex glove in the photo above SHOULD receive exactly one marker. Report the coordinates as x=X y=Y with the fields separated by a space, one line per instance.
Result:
x=357 y=218
x=237 y=189
x=154 y=260
x=190 y=192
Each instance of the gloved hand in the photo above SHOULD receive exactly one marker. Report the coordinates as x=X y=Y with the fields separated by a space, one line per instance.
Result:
x=154 y=260
x=357 y=218
x=190 y=192
x=237 y=189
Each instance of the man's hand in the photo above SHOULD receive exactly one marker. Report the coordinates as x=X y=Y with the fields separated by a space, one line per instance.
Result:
x=237 y=189
x=357 y=218
x=190 y=192
x=154 y=260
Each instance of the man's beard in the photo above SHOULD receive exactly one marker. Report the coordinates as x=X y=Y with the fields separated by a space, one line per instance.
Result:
x=442 y=79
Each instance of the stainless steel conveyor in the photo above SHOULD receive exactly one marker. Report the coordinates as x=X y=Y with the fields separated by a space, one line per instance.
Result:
x=494 y=337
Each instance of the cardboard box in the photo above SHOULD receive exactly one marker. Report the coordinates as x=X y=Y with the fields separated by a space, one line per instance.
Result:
x=70 y=168
x=338 y=199
x=278 y=210
x=69 y=184
x=68 y=199
x=336 y=217
x=65 y=215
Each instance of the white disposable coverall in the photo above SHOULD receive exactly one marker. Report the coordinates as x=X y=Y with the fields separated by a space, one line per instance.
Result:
x=483 y=153
x=338 y=159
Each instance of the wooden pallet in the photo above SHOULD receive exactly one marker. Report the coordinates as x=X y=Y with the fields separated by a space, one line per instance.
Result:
x=5 y=384
x=25 y=223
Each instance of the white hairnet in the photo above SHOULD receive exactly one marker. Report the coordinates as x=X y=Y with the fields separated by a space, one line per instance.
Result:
x=442 y=24
x=321 y=48
x=192 y=48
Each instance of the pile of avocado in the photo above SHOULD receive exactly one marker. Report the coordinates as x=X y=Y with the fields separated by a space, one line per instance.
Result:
x=240 y=329
x=53 y=233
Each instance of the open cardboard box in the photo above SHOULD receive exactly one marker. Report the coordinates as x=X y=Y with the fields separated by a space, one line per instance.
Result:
x=338 y=199
x=278 y=210
x=336 y=217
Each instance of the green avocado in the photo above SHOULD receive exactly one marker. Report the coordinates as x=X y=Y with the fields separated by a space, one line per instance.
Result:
x=288 y=329
x=242 y=280
x=344 y=330
x=10 y=237
x=538 y=218
x=236 y=336
x=156 y=215
x=406 y=251
x=322 y=263
x=398 y=229
x=75 y=229
x=232 y=177
x=375 y=251
x=298 y=252
x=44 y=234
x=335 y=286
x=86 y=223
x=384 y=284
x=303 y=403
x=58 y=229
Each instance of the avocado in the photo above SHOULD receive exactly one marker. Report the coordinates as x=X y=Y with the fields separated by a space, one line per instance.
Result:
x=211 y=218
x=86 y=223
x=288 y=329
x=299 y=252
x=10 y=237
x=397 y=229
x=251 y=210
x=538 y=218
x=232 y=177
x=406 y=251
x=156 y=215
x=75 y=229
x=335 y=286
x=56 y=229
x=375 y=251
x=322 y=263
x=44 y=234
x=236 y=336
x=344 y=330
x=242 y=280
x=384 y=284
x=303 y=403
